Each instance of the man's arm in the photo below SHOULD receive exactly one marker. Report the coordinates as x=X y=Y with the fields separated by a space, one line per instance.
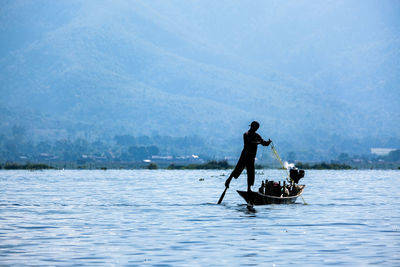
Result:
x=266 y=143
x=262 y=141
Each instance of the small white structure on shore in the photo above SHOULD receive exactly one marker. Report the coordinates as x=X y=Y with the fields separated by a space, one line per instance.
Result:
x=381 y=151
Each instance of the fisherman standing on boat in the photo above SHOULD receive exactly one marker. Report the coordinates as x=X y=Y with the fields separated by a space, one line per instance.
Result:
x=251 y=140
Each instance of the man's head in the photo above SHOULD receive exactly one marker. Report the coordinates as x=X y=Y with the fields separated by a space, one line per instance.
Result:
x=254 y=126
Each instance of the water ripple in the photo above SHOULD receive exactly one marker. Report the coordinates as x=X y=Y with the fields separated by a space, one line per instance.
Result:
x=170 y=218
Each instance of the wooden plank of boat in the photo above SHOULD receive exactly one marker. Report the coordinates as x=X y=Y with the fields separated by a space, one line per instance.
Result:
x=256 y=198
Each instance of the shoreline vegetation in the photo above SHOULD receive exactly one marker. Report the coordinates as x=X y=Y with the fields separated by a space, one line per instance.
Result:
x=323 y=166
x=210 y=165
x=27 y=166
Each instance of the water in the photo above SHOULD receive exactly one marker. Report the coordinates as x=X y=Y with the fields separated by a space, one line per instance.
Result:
x=165 y=217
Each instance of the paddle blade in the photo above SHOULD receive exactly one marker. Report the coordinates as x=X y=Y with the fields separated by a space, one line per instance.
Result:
x=222 y=196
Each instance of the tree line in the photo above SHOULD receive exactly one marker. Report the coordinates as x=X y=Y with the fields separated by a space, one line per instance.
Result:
x=19 y=148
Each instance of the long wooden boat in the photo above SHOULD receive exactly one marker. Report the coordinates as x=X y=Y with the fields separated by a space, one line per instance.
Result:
x=256 y=198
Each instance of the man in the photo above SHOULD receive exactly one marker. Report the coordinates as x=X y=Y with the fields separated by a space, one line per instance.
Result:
x=251 y=140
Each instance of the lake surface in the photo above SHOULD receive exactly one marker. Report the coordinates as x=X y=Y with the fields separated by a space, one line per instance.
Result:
x=165 y=217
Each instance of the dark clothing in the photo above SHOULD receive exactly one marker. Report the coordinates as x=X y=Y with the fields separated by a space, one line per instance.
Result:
x=248 y=155
x=250 y=142
x=249 y=164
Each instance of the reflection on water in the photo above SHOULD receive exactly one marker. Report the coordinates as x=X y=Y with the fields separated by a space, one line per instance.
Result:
x=165 y=217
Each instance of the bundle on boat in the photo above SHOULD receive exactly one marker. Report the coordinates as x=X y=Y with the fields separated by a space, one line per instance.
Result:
x=272 y=192
x=272 y=188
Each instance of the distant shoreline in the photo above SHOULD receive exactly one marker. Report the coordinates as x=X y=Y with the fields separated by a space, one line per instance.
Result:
x=211 y=165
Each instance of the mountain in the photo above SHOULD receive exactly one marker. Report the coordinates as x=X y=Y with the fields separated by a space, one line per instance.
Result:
x=321 y=78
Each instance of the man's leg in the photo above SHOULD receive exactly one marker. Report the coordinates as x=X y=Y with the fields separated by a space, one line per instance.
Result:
x=250 y=174
x=237 y=171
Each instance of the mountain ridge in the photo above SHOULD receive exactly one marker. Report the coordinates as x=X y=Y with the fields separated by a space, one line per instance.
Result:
x=131 y=68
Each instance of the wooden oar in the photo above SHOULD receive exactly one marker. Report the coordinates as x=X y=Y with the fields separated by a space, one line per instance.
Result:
x=222 y=196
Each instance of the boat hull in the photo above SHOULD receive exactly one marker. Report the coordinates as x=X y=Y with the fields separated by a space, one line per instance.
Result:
x=256 y=198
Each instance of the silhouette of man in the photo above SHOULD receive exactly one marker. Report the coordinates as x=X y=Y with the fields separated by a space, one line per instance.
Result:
x=251 y=140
